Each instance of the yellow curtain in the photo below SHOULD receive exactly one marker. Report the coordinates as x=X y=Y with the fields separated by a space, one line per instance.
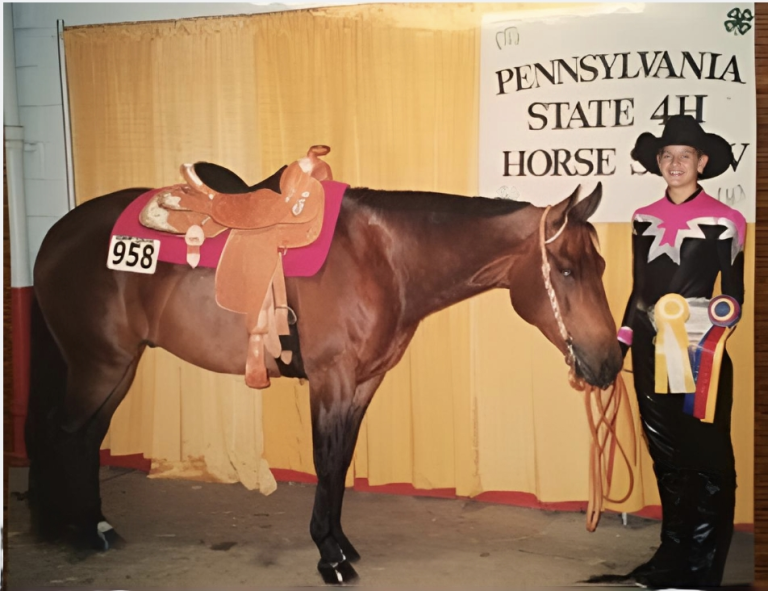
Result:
x=480 y=402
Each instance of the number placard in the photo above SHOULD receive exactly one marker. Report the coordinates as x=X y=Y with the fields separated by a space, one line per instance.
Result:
x=138 y=255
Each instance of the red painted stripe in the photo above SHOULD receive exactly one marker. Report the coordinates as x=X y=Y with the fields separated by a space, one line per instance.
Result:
x=282 y=475
x=21 y=305
x=361 y=484
x=517 y=499
x=650 y=512
x=528 y=500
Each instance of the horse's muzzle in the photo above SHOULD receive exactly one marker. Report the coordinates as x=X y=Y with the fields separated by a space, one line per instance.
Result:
x=600 y=371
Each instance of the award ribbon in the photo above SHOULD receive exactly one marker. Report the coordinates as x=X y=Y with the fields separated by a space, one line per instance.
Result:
x=673 y=364
x=724 y=313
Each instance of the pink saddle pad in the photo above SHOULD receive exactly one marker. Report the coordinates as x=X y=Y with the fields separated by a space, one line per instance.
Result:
x=304 y=261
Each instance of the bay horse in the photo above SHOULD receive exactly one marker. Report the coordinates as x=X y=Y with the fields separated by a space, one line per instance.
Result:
x=396 y=257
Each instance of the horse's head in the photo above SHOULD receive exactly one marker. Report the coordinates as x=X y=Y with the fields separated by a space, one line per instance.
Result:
x=585 y=331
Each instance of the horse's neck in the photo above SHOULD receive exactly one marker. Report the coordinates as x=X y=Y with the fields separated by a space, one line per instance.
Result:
x=439 y=259
x=473 y=258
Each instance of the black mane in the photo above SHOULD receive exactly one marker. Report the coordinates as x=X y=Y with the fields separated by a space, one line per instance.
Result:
x=435 y=203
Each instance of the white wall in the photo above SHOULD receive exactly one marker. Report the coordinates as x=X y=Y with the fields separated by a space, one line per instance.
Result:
x=38 y=89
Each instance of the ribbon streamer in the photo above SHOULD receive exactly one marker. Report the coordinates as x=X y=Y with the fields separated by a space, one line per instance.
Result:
x=724 y=312
x=673 y=364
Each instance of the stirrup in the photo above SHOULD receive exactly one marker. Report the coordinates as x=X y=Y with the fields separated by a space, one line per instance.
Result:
x=256 y=375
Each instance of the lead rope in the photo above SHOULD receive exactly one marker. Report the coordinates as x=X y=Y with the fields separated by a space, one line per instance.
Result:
x=600 y=464
x=604 y=430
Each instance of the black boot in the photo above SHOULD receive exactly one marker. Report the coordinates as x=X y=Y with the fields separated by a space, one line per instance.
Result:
x=713 y=528
x=676 y=534
x=699 y=561
x=674 y=487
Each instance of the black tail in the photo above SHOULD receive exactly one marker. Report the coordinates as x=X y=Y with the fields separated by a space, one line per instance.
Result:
x=47 y=380
x=47 y=387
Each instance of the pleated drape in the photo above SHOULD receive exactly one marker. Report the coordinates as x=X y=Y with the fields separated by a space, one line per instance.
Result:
x=480 y=402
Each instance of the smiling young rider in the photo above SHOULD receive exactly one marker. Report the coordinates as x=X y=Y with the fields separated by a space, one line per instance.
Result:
x=681 y=243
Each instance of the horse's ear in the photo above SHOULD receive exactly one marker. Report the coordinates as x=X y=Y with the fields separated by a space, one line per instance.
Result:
x=560 y=210
x=584 y=209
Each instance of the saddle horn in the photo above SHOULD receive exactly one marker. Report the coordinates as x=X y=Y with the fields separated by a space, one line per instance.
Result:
x=312 y=164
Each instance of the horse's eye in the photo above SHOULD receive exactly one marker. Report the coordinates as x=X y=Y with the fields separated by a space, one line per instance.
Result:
x=566 y=272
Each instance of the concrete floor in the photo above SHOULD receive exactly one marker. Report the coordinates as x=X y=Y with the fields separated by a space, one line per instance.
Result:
x=192 y=535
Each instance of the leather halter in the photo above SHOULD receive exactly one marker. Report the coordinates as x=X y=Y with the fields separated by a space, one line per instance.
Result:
x=606 y=403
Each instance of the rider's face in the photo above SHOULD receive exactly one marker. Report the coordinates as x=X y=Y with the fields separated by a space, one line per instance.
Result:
x=681 y=165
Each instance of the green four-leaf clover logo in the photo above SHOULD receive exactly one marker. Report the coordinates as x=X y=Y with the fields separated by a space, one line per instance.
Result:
x=739 y=21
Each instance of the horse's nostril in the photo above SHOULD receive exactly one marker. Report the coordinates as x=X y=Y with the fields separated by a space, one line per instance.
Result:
x=602 y=377
x=584 y=371
x=608 y=373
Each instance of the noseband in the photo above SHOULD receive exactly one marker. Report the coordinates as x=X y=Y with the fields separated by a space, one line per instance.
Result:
x=546 y=271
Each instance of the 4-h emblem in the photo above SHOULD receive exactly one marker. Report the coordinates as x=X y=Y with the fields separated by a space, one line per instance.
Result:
x=739 y=21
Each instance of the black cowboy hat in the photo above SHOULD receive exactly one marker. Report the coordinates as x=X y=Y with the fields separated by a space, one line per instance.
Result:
x=684 y=130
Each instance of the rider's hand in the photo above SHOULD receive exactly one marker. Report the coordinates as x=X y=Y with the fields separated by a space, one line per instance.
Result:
x=624 y=348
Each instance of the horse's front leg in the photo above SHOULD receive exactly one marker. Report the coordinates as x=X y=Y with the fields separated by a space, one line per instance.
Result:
x=338 y=407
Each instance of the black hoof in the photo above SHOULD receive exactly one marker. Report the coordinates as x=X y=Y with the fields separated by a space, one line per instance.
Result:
x=100 y=538
x=349 y=551
x=342 y=573
x=110 y=538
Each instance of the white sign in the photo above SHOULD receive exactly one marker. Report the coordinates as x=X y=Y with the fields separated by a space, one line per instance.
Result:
x=563 y=99
x=138 y=255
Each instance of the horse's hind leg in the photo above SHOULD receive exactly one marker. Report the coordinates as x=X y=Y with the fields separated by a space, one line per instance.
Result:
x=338 y=408
x=64 y=473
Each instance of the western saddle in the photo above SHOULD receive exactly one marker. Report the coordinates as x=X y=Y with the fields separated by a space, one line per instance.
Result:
x=263 y=224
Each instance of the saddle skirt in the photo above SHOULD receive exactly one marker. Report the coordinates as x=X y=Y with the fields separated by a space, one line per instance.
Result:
x=303 y=261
